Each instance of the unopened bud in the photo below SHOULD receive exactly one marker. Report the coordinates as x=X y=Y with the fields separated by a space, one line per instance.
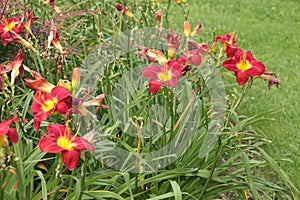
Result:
x=75 y=79
x=187 y=29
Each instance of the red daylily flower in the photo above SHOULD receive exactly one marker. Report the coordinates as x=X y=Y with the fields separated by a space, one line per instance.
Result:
x=124 y=10
x=39 y=83
x=8 y=26
x=244 y=65
x=167 y=74
x=60 y=140
x=228 y=42
x=44 y=104
x=10 y=132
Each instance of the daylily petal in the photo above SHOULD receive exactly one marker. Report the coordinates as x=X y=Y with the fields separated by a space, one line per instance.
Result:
x=4 y=125
x=58 y=130
x=70 y=158
x=39 y=83
x=82 y=144
x=230 y=65
x=60 y=93
x=154 y=86
x=196 y=59
x=151 y=72
x=47 y=144
x=257 y=68
x=12 y=135
x=172 y=83
x=38 y=118
x=241 y=77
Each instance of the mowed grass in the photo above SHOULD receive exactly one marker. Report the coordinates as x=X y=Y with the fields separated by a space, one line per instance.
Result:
x=271 y=30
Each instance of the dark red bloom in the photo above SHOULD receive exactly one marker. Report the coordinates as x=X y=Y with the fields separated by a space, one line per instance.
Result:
x=10 y=132
x=228 y=41
x=60 y=140
x=244 y=65
x=44 y=104
x=8 y=26
x=166 y=74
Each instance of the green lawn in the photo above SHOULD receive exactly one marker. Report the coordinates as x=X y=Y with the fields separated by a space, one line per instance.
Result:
x=271 y=30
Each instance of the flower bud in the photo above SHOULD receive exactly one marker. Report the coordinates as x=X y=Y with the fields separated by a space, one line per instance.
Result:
x=187 y=29
x=66 y=84
x=75 y=79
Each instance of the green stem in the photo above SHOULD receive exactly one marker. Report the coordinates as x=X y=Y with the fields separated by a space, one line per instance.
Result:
x=71 y=184
x=83 y=174
x=217 y=157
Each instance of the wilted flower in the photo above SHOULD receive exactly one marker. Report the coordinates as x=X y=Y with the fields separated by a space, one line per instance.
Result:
x=44 y=104
x=15 y=37
x=60 y=140
x=16 y=67
x=8 y=26
x=53 y=38
x=53 y=5
x=29 y=18
x=153 y=55
x=80 y=105
x=195 y=52
x=244 y=65
x=173 y=43
x=10 y=132
x=158 y=15
x=124 y=10
x=269 y=76
x=196 y=30
x=39 y=83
